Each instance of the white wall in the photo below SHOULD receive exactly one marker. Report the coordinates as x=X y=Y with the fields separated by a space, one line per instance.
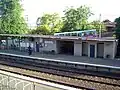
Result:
x=85 y=48
x=110 y=49
x=49 y=45
x=58 y=45
x=100 y=50
x=9 y=42
x=15 y=41
x=77 y=48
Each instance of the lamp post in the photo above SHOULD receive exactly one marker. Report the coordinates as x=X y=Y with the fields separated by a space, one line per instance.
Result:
x=100 y=26
x=38 y=22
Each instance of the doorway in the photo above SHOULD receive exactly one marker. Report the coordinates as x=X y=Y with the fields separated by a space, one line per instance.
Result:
x=100 y=50
x=66 y=47
x=92 y=50
x=84 y=49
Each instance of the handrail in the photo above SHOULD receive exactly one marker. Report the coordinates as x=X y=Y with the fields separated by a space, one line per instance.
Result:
x=37 y=81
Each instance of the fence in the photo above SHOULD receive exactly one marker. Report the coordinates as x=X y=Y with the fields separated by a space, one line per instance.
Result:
x=11 y=81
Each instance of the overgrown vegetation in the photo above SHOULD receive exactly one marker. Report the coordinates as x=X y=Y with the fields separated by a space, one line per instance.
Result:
x=117 y=33
x=48 y=24
x=11 y=21
x=74 y=19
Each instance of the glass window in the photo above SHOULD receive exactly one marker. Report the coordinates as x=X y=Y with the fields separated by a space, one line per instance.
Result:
x=91 y=33
x=61 y=34
x=79 y=34
x=88 y=33
x=84 y=34
x=67 y=34
x=74 y=34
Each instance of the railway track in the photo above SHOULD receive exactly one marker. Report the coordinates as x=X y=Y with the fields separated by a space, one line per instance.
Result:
x=78 y=78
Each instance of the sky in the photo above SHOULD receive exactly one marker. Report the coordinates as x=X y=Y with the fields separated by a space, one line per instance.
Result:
x=109 y=9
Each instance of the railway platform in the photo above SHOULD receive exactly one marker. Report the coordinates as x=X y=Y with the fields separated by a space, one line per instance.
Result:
x=107 y=62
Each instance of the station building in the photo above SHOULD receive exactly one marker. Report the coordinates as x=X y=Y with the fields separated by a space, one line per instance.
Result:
x=89 y=47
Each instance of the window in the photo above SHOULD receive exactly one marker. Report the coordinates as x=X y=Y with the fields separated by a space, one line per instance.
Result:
x=88 y=33
x=84 y=34
x=79 y=34
x=67 y=34
x=61 y=34
x=92 y=33
x=74 y=34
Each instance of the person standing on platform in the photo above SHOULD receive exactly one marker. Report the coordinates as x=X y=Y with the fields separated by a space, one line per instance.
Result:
x=29 y=50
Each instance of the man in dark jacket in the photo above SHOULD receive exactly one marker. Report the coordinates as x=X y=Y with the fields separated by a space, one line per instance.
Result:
x=29 y=50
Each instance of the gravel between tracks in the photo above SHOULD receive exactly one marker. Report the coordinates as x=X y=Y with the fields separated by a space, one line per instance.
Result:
x=61 y=79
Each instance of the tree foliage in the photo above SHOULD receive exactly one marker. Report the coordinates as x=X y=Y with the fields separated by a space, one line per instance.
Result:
x=49 y=24
x=11 y=19
x=98 y=25
x=76 y=18
x=41 y=30
x=117 y=30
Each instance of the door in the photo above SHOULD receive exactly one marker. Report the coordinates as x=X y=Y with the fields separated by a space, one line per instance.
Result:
x=84 y=49
x=100 y=50
x=92 y=50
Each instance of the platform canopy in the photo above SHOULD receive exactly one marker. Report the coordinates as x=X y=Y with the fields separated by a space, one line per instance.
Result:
x=60 y=37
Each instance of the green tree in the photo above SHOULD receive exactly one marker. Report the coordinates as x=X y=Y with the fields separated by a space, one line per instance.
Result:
x=12 y=21
x=98 y=25
x=76 y=18
x=117 y=30
x=41 y=30
x=50 y=23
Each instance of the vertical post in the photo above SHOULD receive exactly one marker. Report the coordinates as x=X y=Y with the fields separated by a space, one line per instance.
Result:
x=29 y=40
x=114 y=48
x=100 y=26
x=0 y=41
x=8 y=81
x=56 y=43
x=95 y=50
x=6 y=42
x=104 y=49
x=81 y=46
x=33 y=86
x=19 y=43
x=34 y=45
x=13 y=43
x=25 y=40
x=88 y=49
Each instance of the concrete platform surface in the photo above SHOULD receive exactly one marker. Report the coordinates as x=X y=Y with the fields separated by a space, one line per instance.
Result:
x=99 y=61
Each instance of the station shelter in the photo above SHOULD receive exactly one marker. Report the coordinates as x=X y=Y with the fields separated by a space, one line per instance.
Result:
x=104 y=47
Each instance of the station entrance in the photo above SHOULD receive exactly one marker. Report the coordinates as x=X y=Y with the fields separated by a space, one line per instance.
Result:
x=66 y=47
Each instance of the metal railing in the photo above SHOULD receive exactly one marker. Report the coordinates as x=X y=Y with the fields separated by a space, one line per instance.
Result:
x=27 y=83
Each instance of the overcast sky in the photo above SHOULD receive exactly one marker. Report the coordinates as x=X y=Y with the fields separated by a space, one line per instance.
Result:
x=109 y=9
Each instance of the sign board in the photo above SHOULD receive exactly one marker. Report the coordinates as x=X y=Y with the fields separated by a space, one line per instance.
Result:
x=50 y=42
